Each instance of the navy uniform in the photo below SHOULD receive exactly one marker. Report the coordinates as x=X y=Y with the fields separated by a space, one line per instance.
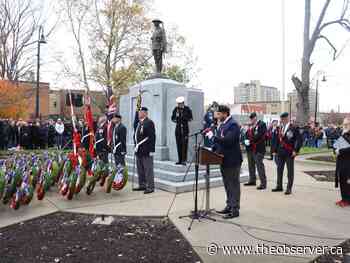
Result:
x=287 y=146
x=119 y=142
x=145 y=140
x=182 y=115
x=227 y=143
x=255 y=144
x=101 y=146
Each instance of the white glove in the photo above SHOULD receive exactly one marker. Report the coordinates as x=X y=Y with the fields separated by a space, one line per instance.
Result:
x=246 y=142
x=210 y=135
x=136 y=148
x=151 y=154
x=337 y=152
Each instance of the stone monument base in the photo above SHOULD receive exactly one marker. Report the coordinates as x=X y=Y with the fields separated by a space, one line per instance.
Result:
x=171 y=178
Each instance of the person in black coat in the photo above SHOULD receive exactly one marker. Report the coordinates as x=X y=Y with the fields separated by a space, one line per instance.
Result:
x=101 y=146
x=256 y=148
x=85 y=136
x=43 y=133
x=287 y=147
x=145 y=141
x=182 y=115
x=5 y=134
x=342 y=173
x=274 y=138
x=227 y=143
x=118 y=140
x=12 y=134
x=51 y=134
x=25 y=135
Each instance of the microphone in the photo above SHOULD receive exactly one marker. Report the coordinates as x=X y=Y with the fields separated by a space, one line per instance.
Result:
x=206 y=130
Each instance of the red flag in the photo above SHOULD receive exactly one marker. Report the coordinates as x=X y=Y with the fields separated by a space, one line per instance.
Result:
x=89 y=120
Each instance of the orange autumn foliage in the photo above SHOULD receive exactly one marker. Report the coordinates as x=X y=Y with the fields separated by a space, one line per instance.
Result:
x=13 y=100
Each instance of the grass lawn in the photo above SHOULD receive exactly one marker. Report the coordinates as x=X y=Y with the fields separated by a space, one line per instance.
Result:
x=9 y=153
x=312 y=150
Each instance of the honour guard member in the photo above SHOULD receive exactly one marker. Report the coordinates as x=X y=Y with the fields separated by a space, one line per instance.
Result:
x=227 y=143
x=145 y=139
x=119 y=140
x=288 y=145
x=255 y=144
x=182 y=115
x=101 y=140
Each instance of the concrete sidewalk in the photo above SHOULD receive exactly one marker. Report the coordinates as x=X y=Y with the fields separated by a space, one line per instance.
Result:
x=307 y=217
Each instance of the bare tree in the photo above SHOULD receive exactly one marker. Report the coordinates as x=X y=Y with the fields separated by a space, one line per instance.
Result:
x=77 y=14
x=19 y=22
x=112 y=42
x=311 y=38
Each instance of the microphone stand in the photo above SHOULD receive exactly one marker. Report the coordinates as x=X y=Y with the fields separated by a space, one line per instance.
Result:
x=195 y=214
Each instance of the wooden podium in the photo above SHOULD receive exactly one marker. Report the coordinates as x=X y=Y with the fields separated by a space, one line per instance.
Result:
x=208 y=157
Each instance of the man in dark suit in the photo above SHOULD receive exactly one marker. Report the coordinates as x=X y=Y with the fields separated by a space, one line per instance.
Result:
x=255 y=144
x=182 y=115
x=145 y=141
x=118 y=140
x=287 y=147
x=227 y=143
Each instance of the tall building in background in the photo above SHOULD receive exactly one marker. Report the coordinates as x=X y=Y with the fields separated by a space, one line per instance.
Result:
x=293 y=98
x=255 y=92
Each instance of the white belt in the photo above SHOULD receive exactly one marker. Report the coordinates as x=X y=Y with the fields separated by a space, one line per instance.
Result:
x=89 y=134
x=139 y=144
x=100 y=140
x=115 y=147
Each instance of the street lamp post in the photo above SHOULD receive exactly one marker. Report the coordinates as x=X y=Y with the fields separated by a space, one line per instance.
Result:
x=316 y=99
x=41 y=40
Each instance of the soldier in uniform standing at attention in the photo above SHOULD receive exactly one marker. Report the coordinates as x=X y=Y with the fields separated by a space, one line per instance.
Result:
x=288 y=145
x=118 y=140
x=159 y=44
x=182 y=115
x=145 y=144
x=255 y=144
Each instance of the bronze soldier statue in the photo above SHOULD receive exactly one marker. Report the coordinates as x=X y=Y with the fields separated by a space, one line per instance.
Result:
x=159 y=44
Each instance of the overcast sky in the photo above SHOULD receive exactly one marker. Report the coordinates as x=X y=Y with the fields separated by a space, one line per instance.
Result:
x=241 y=40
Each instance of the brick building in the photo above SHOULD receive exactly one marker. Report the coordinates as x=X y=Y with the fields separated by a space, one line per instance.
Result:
x=54 y=103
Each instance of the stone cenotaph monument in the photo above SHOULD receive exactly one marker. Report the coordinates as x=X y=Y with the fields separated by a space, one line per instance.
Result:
x=159 y=95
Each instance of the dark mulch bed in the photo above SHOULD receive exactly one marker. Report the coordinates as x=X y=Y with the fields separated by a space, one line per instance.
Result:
x=324 y=158
x=327 y=258
x=68 y=237
x=322 y=176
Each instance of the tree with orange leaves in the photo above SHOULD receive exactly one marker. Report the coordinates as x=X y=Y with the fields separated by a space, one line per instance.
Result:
x=13 y=100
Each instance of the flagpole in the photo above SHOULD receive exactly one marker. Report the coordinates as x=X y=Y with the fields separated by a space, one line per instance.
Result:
x=73 y=120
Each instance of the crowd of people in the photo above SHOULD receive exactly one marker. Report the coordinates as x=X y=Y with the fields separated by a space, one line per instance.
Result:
x=37 y=134
x=221 y=132
x=313 y=134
